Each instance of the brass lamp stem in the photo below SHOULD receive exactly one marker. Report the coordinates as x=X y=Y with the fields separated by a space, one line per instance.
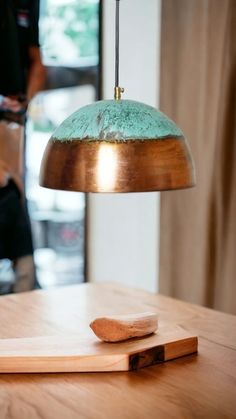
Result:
x=117 y=90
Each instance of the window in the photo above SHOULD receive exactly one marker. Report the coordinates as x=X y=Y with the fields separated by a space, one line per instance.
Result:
x=70 y=44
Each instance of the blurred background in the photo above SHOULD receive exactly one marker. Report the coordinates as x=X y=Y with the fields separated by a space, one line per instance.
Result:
x=69 y=38
x=178 y=55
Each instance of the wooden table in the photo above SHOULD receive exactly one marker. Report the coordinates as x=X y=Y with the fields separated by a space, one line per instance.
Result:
x=197 y=386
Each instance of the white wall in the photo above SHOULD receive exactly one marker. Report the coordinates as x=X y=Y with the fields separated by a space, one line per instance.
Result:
x=123 y=233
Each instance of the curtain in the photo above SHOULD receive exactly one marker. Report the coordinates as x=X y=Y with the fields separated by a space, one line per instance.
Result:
x=198 y=84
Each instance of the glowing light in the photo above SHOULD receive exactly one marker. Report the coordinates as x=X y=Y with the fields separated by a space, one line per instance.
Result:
x=107 y=168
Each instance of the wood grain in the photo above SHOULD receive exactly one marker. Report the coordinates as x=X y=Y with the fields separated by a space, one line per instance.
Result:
x=202 y=386
x=83 y=353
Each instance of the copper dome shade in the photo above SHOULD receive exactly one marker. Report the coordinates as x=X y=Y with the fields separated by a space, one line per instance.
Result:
x=117 y=146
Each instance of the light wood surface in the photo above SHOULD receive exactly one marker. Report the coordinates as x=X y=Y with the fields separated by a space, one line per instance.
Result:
x=83 y=352
x=202 y=386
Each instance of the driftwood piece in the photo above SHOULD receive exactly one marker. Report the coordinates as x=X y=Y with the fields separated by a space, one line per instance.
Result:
x=123 y=327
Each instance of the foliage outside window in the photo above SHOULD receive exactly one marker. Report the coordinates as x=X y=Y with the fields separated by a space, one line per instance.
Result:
x=69 y=32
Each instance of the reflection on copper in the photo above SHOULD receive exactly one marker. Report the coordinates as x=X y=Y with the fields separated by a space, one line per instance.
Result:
x=131 y=166
x=106 y=168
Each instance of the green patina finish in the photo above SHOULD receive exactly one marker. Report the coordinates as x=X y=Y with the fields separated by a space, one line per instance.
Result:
x=116 y=121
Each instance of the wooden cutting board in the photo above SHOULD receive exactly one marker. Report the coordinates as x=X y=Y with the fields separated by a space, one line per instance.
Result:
x=85 y=353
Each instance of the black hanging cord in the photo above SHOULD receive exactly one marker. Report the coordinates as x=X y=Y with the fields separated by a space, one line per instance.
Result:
x=117 y=42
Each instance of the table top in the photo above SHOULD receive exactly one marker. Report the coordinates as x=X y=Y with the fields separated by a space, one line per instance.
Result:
x=196 y=386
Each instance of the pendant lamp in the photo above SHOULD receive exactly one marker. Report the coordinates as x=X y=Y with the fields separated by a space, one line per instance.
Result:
x=117 y=146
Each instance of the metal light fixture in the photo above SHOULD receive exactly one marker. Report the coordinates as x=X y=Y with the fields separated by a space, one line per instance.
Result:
x=117 y=146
